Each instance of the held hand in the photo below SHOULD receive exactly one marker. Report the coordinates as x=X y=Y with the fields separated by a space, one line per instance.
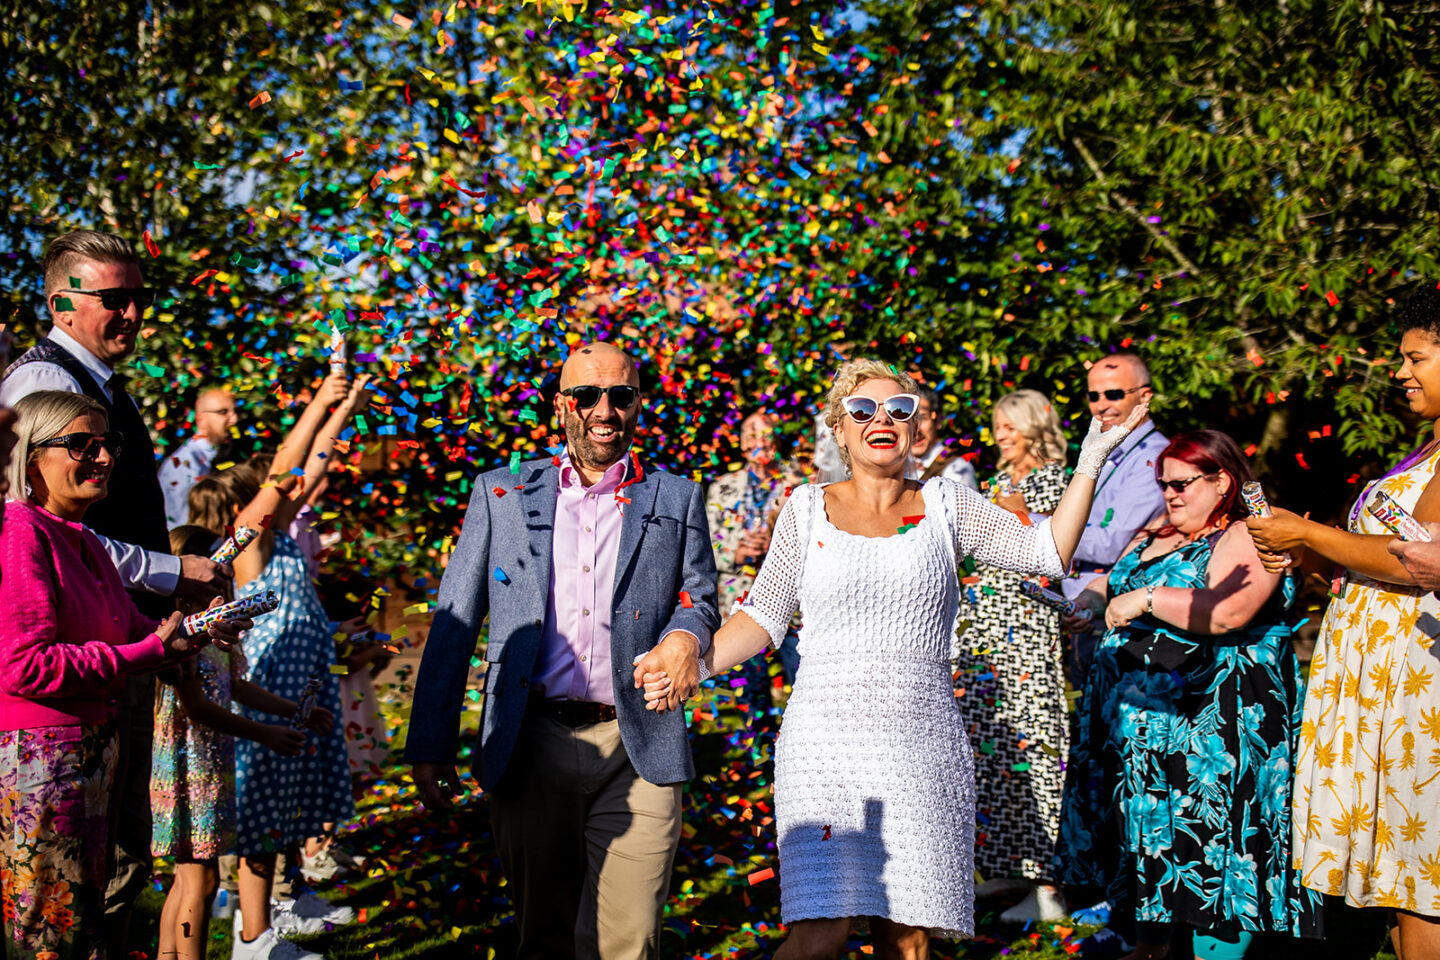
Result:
x=227 y=634
x=321 y=720
x=438 y=784
x=1126 y=607
x=202 y=578
x=1420 y=560
x=677 y=654
x=359 y=396
x=657 y=692
x=1093 y=604
x=176 y=646
x=283 y=740
x=1282 y=533
x=1099 y=442
x=334 y=389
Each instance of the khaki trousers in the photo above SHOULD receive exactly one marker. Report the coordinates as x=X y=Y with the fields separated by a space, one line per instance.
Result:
x=586 y=844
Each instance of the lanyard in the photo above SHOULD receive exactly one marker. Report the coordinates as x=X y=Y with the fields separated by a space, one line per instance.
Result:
x=1118 y=461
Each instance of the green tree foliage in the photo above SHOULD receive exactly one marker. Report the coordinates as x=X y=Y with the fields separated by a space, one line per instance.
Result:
x=992 y=194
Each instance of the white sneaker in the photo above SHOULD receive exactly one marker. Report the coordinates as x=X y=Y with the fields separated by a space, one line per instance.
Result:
x=223 y=906
x=308 y=907
x=269 y=946
x=1039 y=904
x=282 y=921
x=346 y=859
x=320 y=867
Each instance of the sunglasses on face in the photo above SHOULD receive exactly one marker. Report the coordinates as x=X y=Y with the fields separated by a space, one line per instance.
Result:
x=622 y=396
x=1116 y=394
x=1180 y=486
x=118 y=298
x=898 y=408
x=86 y=446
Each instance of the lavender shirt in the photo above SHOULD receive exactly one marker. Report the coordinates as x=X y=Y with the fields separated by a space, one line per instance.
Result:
x=574 y=658
x=1126 y=499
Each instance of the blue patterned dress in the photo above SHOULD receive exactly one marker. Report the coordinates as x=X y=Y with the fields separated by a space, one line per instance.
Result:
x=283 y=800
x=1177 y=792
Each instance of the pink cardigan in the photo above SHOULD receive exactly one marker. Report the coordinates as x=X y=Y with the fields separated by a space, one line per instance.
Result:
x=68 y=630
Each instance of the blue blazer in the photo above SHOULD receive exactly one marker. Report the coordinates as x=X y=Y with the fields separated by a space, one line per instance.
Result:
x=664 y=549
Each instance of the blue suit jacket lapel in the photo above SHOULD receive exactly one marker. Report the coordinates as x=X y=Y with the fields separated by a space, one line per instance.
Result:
x=638 y=511
x=542 y=486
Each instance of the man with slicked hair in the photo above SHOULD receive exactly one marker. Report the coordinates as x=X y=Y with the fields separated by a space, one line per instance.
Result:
x=96 y=298
x=585 y=564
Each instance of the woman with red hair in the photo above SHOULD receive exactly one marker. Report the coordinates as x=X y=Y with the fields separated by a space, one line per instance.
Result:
x=1177 y=794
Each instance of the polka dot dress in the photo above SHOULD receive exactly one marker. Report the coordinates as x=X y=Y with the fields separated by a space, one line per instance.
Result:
x=283 y=800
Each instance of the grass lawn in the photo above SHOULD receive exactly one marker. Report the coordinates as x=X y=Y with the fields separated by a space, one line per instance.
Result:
x=433 y=887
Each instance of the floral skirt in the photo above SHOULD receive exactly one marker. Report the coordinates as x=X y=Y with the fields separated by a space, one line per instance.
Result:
x=54 y=788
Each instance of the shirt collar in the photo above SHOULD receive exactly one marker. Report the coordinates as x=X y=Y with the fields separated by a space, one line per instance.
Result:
x=201 y=443
x=617 y=473
x=92 y=364
x=1133 y=440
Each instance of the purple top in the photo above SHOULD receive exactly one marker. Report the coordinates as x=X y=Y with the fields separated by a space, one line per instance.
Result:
x=1126 y=499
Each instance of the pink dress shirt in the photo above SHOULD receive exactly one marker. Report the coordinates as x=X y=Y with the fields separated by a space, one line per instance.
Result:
x=574 y=659
x=69 y=633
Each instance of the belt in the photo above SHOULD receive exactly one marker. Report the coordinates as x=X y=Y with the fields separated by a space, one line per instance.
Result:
x=573 y=713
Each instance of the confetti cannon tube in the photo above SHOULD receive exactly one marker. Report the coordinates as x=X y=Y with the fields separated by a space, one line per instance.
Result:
x=235 y=545
x=1053 y=600
x=337 y=350
x=1252 y=494
x=307 y=703
x=1388 y=511
x=252 y=606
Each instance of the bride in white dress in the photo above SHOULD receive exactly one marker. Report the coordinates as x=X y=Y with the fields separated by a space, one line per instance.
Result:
x=874 y=787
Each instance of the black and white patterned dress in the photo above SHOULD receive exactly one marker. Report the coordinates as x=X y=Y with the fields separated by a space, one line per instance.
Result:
x=1010 y=686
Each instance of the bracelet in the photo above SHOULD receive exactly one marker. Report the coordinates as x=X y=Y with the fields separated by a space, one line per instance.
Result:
x=1150 y=599
x=704 y=670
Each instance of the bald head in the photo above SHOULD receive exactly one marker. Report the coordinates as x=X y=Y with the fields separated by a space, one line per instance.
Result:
x=598 y=360
x=599 y=423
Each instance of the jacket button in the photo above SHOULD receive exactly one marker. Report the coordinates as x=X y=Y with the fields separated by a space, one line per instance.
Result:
x=538 y=623
x=524 y=683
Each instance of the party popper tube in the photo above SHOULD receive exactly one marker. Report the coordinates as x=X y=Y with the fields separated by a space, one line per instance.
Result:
x=251 y=606
x=1388 y=511
x=235 y=545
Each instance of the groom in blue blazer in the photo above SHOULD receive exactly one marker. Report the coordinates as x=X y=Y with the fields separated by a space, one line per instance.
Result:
x=585 y=564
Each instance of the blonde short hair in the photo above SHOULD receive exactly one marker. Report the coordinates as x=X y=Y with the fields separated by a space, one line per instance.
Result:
x=848 y=378
x=1035 y=418
x=42 y=415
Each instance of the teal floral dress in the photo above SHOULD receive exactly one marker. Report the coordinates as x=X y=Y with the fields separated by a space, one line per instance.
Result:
x=1177 y=791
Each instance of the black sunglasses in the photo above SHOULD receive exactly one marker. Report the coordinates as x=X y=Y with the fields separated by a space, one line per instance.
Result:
x=86 y=446
x=1180 y=486
x=118 y=298
x=622 y=397
x=1116 y=394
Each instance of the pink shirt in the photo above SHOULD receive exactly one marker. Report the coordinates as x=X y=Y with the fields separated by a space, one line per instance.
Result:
x=574 y=659
x=69 y=633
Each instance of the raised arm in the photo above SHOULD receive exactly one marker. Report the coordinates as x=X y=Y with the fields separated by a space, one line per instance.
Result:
x=1366 y=554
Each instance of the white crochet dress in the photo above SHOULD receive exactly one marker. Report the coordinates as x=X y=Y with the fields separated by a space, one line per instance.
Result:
x=874 y=788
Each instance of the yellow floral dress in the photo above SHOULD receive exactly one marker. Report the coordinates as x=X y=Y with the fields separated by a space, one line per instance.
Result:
x=1367 y=786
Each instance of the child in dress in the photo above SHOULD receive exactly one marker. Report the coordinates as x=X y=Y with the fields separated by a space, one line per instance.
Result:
x=283 y=801
x=192 y=779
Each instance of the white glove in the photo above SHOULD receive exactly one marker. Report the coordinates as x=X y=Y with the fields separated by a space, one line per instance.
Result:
x=1098 y=443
